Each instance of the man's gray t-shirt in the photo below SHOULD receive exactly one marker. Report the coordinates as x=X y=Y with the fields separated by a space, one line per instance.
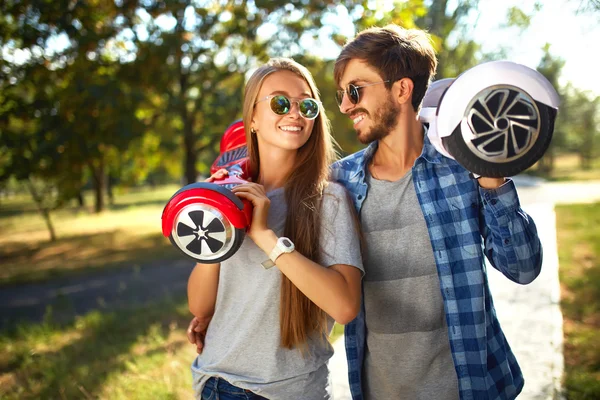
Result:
x=407 y=355
x=242 y=343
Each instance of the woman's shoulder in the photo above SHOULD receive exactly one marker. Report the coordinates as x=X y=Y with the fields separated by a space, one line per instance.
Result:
x=334 y=189
x=335 y=195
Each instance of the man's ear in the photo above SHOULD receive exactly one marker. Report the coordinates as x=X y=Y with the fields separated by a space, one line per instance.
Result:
x=403 y=90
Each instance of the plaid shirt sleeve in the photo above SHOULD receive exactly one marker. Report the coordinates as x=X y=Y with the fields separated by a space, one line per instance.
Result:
x=511 y=242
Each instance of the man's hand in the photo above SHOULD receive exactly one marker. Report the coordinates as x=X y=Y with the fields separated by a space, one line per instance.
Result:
x=491 y=183
x=196 y=332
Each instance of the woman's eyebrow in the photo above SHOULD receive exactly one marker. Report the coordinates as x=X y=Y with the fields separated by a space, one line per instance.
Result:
x=304 y=94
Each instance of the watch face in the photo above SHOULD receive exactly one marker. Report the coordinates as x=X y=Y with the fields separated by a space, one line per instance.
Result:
x=286 y=242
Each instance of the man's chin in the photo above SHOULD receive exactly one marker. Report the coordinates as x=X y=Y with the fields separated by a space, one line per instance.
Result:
x=366 y=138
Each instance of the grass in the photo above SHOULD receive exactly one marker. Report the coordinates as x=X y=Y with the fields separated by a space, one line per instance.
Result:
x=136 y=353
x=139 y=353
x=338 y=330
x=567 y=168
x=127 y=233
x=578 y=229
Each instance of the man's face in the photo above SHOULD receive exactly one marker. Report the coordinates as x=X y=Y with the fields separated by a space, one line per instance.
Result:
x=376 y=113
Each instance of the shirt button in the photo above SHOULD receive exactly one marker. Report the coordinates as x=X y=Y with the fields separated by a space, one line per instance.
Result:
x=493 y=201
x=506 y=241
x=359 y=197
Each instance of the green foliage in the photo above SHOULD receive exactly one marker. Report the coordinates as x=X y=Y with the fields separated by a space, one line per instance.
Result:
x=577 y=127
x=580 y=120
x=445 y=21
x=518 y=18
x=579 y=257
x=127 y=92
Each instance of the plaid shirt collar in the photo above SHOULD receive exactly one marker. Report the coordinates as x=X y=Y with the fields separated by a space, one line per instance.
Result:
x=429 y=154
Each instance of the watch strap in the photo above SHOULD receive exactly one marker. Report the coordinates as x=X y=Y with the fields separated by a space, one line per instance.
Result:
x=279 y=249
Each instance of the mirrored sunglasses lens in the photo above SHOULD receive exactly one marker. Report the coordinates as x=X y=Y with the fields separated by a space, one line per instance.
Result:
x=309 y=108
x=353 y=93
x=280 y=105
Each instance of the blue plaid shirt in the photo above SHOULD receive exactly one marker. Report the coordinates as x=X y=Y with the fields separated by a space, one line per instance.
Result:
x=459 y=214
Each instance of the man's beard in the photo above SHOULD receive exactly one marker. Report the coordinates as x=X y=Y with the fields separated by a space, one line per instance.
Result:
x=385 y=120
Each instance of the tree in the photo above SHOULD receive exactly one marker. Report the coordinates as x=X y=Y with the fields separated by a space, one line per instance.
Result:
x=580 y=117
x=76 y=97
x=551 y=67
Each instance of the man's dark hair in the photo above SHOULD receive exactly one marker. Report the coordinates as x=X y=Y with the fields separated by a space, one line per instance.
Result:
x=395 y=53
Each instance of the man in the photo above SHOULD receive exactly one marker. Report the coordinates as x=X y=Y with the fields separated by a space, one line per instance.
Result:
x=427 y=328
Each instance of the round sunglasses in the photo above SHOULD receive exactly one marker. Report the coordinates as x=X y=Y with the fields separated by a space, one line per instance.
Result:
x=352 y=92
x=281 y=105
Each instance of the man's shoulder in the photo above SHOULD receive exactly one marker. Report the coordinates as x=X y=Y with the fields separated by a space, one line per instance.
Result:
x=349 y=163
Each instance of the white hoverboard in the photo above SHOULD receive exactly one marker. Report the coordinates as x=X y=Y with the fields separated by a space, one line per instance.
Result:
x=495 y=119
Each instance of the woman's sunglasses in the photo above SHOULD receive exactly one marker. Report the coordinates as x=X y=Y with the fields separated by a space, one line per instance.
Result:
x=281 y=105
x=352 y=92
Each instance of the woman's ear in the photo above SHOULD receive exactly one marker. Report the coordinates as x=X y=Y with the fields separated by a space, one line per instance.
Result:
x=403 y=90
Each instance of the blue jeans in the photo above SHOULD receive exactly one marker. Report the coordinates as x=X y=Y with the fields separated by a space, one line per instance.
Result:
x=220 y=389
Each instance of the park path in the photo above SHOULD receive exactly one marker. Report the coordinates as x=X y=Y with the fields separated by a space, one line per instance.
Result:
x=530 y=315
x=108 y=289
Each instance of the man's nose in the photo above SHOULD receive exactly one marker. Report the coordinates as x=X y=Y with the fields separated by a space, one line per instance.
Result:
x=346 y=104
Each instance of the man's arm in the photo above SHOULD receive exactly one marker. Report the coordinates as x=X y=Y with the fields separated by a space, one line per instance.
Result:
x=510 y=236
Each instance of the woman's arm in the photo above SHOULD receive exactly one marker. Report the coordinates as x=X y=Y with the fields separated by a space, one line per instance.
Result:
x=202 y=290
x=336 y=290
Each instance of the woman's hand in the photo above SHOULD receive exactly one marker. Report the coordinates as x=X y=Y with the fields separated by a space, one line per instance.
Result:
x=255 y=194
x=196 y=332
x=220 y=174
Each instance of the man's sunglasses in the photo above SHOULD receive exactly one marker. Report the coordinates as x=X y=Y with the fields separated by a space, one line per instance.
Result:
x=281 y=105
x=352 y=92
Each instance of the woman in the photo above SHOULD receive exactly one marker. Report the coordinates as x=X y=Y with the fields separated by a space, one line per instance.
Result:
x=268 y=329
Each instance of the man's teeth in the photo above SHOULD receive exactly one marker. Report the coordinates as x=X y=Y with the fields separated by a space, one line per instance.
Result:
x=291 y=128
x=358 y=119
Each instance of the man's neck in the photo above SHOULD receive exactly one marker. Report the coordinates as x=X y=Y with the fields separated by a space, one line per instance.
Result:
x=397 y=152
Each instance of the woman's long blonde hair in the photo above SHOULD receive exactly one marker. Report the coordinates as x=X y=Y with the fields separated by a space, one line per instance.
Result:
x=298 y=316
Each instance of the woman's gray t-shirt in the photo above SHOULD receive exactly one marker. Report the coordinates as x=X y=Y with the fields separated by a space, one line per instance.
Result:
x=242 y=343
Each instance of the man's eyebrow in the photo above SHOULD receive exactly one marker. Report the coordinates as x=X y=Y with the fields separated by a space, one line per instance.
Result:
x=356 y=81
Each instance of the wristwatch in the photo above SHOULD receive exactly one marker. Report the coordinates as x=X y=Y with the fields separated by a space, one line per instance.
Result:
x=283 y=245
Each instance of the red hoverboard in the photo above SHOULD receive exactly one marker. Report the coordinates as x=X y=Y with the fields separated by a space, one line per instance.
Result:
x=206 y=221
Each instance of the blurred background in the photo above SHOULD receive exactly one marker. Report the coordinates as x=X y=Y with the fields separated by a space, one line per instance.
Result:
x=108 y=107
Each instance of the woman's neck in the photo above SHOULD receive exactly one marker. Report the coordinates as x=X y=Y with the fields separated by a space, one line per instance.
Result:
x=275 y=167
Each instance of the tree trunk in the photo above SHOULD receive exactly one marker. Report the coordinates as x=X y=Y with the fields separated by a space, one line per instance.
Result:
x=190 y=151
x=39 y=202
x=189 y=139
x=80 y=199
x=109 y=189
x=98 y=176
x=587 y=150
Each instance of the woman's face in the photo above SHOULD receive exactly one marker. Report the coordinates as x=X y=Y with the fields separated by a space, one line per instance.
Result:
x=289 y=131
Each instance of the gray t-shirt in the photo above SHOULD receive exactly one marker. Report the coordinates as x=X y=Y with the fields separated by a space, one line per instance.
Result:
x=408 y=352
x=242 y=343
